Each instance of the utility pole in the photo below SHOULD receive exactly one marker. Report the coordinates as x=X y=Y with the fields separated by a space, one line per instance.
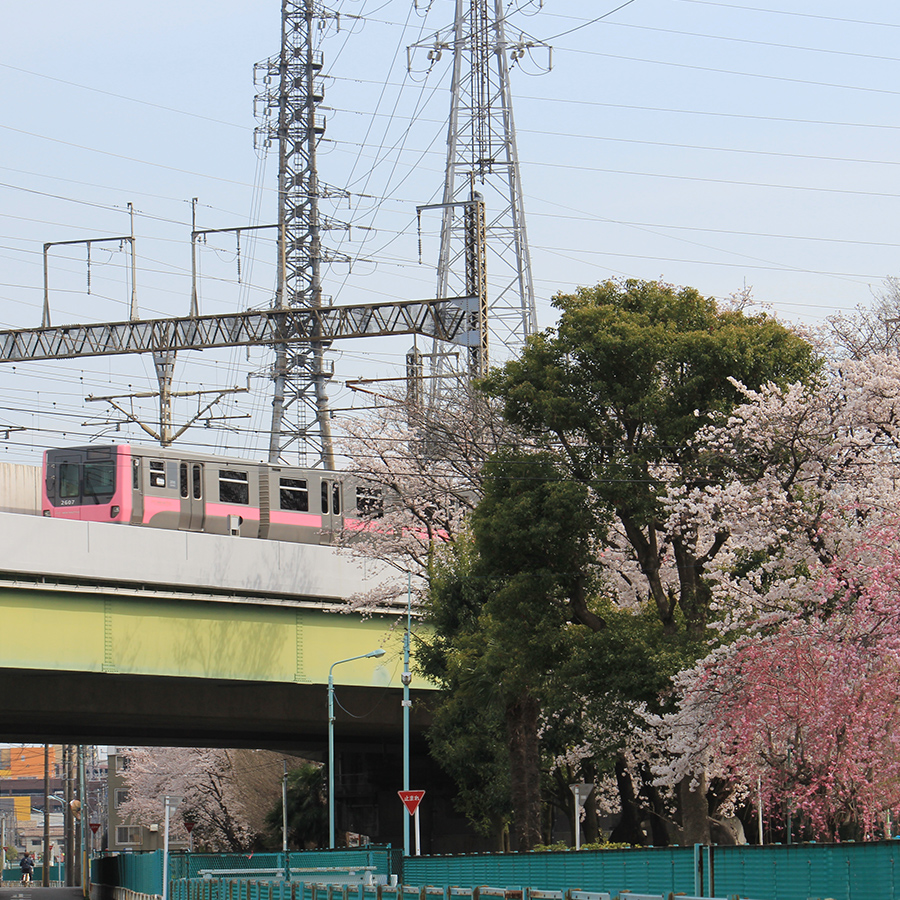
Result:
x=45 y=866
x=71 y=849
x=292 y=92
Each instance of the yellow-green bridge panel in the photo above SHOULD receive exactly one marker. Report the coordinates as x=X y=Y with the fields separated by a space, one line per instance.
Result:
x=195 y=639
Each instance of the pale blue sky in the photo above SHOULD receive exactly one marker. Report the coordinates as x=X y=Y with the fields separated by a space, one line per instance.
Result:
x=711 y=144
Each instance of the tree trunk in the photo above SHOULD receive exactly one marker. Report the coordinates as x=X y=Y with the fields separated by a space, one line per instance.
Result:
x=499 y=834
x=525 y=773
x=694 y=811
x=591 y=822
x=659 y=833
x=629 y=828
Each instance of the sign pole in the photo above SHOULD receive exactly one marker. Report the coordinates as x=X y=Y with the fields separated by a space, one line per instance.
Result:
x=581 y=792
x=406 y=678
x=411 y=800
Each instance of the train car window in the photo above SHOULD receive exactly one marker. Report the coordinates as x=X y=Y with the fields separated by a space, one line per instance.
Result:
x=136 y=474
x=157 y=473
x=69 y=480
x=336 y=499
x=324 y=497
x=198 y=485
x=293 y=494
x=99 y=479
x=369 y=502
x=234 y=487
x=183 y=479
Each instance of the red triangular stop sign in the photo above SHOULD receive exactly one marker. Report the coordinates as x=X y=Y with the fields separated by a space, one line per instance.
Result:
x=411 y=800
x=95 y=827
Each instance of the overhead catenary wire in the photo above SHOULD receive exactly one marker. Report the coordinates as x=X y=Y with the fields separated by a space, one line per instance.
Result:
x=384 y=249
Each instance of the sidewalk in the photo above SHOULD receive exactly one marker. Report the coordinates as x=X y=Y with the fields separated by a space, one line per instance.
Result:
x=36 y=892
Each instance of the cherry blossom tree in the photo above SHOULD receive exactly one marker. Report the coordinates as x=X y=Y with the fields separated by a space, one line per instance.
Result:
x=871 y=330
x=811 y=707
x=803 y=471
x=424 y=467
x=203 y=778
x=804 y=699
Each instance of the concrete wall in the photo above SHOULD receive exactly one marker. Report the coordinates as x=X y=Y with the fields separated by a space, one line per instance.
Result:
x=126 y=554
x=20 y=488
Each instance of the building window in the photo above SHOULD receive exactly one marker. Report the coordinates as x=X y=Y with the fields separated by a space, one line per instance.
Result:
x=121 y=796
x=128 y=834
x=123 y=763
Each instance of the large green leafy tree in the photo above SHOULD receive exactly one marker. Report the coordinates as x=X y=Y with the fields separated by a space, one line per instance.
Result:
x=619 y=388
x=615 y=392
x=499 y=610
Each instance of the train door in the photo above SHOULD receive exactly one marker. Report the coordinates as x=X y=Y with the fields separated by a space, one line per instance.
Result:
x=331 y=500
x=193 y=502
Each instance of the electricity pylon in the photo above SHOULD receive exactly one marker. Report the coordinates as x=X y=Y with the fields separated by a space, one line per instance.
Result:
x=481 y=148
x=289 y=107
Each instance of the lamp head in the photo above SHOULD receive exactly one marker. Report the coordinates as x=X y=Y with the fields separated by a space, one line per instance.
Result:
x=378 y=652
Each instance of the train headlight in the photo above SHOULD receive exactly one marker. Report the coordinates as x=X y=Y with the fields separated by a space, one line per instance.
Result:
x=47 y=513
x=113 y=511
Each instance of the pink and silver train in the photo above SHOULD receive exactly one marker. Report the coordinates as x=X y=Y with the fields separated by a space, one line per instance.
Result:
x=168 y=488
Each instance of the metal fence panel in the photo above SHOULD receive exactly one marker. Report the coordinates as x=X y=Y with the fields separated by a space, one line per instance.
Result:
x=659 y=869
x=853 y=871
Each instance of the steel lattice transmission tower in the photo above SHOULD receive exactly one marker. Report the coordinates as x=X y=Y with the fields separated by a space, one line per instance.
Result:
x=288 y=105
x=481 y=151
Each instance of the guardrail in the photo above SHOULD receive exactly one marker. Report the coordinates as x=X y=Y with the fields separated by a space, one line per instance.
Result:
x=350 y=875
x=241 y=887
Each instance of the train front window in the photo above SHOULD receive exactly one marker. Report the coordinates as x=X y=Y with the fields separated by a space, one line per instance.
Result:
x=294 y=494
x=69 y=481
x=99 y=479
x=234 y=487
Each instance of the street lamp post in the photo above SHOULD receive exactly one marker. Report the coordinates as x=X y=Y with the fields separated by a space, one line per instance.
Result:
x=171 y=802
x=372 y=654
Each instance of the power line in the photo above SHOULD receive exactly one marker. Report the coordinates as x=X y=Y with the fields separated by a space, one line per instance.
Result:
x=86 y=87
x=605 y=15
x=784 y=12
